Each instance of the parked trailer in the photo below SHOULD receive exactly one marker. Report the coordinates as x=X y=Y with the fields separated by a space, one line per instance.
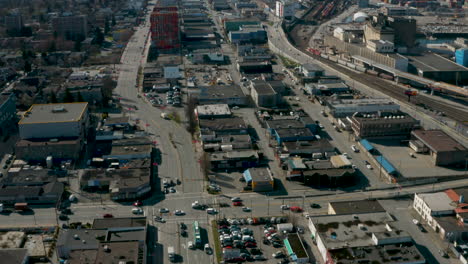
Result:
x=342 y=62
x=333 y=58
x=360 y=68
x=351 y=65
x=386 y=76
x=372 y=72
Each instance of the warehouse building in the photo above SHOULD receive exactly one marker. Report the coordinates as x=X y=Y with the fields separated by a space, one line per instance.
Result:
x=66 y=120
x=443 y=149
x=347 y=107
x=259 y=179
x=382 y=124
x=231 y=95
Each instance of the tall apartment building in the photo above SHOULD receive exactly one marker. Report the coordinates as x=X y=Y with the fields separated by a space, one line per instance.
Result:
x=13 y=22
x=71 y=26
x=165 y=31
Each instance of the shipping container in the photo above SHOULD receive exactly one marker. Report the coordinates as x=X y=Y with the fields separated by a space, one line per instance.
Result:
x=461 y=57
x=342 y=62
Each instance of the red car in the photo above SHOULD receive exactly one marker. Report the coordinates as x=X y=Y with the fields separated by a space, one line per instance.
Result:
x=295 y=209
x=108 y=216
x=137 y=203
x=237 y=203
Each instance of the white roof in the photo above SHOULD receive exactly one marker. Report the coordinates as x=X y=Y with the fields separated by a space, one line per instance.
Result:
x=438 y=201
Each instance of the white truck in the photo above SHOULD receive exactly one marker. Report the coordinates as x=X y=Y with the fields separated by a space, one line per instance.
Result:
x=171 y=254
x=165 y=116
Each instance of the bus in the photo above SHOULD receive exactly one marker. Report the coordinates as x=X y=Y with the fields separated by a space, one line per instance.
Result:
x=196 y=234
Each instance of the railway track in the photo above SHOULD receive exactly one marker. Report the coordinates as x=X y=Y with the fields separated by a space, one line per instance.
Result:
x=397 y=93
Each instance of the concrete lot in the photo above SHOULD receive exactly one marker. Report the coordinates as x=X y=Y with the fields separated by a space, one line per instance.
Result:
x=420 y=166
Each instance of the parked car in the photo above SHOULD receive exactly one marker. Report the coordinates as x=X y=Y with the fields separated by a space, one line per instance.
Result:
x=246 y=209
x=63 y=217
x=108 y=216
x=278 y=254
x=295 y=209
x=284 y=207
x=163 y=210
x=179 y=212
x=315 y=206
x=159 y=219
x=236 y=199
x=237 y=203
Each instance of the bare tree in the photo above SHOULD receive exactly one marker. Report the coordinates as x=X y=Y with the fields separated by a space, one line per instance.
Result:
x=190 y=113
x=205 y=164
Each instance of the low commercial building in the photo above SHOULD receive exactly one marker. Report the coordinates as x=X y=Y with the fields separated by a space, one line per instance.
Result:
x=259 y=179
x=49 y=193
x=307 y=149
x=224 y=126
x=128 y=149
x=438 y=68
x=339 y=238
x=293 y=134
x=231 y=95
x=355 y=207
x=123 y=251
x=248 y=34
x=296 y=249
x=312 y=70
x=14 y=255
x=70 y=240
x=443 y=149
x=46 y=121
x=122 y=184
x=347 y=107
x=382 y=124
x=37 y=150
x=327 y=88
x=213 y=111
x=234 y=160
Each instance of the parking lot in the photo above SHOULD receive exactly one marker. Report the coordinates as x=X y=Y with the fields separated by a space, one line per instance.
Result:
x=254 y=239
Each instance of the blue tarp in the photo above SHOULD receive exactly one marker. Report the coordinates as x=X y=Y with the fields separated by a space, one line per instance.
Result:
x=388 y=167
x=247 y=176
x=368 y=146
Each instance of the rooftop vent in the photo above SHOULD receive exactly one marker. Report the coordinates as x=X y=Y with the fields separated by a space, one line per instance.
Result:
x=58 y=109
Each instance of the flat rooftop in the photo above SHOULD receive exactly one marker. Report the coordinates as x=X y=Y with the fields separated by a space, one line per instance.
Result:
x=100 y=223
x=438 y=201
x=284 y=123
x=438 y=141
x=356 y=207
x=118 y=174
x=130 y=149
x=213 y=109
x=260 y=174
x=119 y=252
x=343 y=231
x=220 y=91
x=294 y=132
x=85 y=256
x=74 y=237
x=305 y=146
x=262 y=87
x=219 y=124
x=13 y=255
x=54 y=113
x=4 y=97
x=390 y=254
x=127 y=235
x=361 y=101
x=433 y=62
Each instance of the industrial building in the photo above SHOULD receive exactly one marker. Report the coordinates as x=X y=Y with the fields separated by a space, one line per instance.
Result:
x=165 y=32
x=382 y=124
x=213 y=111
x=234 y=160
x=50 y=121
x=231 y=95
x=347 y=107
x=285 y=9
x=438 y=68
x=264 y=94
x=443 y=149
x=259 y=179
x=248 y=34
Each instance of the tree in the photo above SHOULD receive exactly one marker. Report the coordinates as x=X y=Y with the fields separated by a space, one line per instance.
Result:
x=106 y=27
x=68 y=98
x=27 y=66
x=205 y=164
x=108 y=86
x=77 y=45
x=190 y=113
x=98 y=36
x=53 y=98
x=79 y=98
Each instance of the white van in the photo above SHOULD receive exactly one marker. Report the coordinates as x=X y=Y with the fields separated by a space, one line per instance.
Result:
x=354 y=148
x=137 y=210
x=190 y=245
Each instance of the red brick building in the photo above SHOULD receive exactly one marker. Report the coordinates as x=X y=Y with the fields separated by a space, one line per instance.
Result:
x=165 y=32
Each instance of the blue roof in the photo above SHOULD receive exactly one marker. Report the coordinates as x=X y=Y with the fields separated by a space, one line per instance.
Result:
x=247 y=176
x=385 y=164
x=367 y=145
x=290 y=250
